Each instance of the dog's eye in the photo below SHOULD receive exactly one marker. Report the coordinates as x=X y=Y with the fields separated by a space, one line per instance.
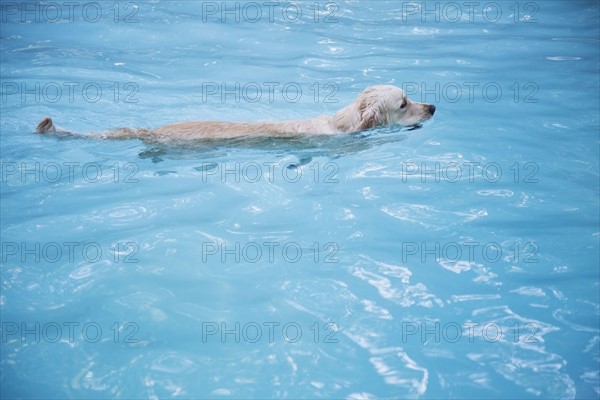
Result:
x=404 y=103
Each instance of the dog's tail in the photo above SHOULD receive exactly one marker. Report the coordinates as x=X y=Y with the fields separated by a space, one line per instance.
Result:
x=46 y=126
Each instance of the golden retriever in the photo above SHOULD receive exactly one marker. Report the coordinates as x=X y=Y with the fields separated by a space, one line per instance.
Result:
x=380 y=105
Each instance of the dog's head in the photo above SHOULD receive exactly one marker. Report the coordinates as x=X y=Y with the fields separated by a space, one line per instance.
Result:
x=382 y=105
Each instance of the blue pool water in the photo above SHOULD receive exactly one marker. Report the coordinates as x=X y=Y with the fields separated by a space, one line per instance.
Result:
x=459 y=260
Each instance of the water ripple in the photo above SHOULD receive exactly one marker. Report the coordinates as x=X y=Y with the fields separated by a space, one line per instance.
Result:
x=121 y=215
x=519 y=351
x=482 y=273
x=173 y=363
x=399 y=290
x=562 y=58
x=430 y=217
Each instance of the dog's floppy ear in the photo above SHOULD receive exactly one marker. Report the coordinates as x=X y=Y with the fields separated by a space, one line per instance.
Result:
x=363 y=113
x=370 y=114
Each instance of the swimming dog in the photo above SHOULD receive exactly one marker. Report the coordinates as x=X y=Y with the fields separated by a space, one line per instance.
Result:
x=380 y=105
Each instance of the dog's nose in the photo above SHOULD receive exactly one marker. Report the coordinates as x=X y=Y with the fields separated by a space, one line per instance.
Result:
x=431 y=109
